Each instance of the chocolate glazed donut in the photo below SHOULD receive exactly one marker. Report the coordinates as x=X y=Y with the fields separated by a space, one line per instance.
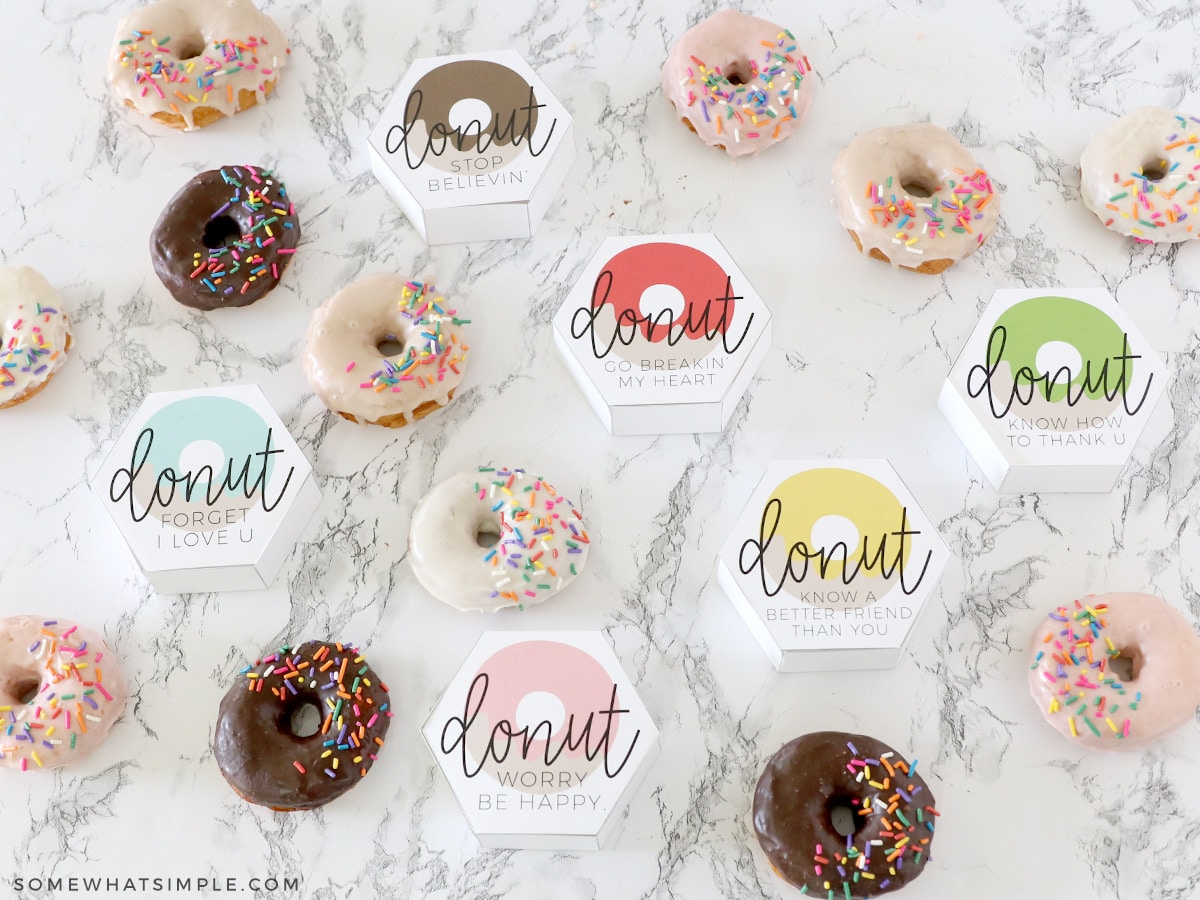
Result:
x=267 y=752
x=505 y=92
x=820 y=779
x=225 y=238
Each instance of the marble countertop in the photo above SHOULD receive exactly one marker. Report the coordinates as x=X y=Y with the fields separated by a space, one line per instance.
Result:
x=859 y=354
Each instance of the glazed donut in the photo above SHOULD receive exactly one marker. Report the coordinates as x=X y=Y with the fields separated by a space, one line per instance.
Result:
x=740 y=83
x=913 y=196
x=225 y=238
x=812 y=779
x=345 y=359
x=60 y=692
x=35 y=334
x=1077 y=677
x=1139 y=175
x=262 y=746
x=538 y=542
x=189 y=63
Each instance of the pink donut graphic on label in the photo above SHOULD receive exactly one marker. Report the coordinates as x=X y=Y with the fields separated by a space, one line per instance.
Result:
x=545 y=717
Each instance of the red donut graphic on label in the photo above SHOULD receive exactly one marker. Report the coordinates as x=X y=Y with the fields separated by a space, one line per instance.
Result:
x=667 y=292
x=544 y=711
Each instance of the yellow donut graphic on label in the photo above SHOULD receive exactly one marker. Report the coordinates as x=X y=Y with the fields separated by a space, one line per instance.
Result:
x=834 y=536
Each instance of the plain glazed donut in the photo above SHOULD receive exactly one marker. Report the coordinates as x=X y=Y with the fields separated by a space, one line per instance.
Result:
x=1139 y=175
x=348 y=369
x=1076 y=679
x=189 y=63
x=263 y=754
x=225 y=238
x=495 y=539
x=35 y=334
x=800 y=794
x=913 y=196
x=740 y=83
x=60 y=692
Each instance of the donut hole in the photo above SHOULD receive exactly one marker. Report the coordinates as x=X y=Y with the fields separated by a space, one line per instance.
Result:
x=302 y=717
x=843 y=814
x=389 y=345
x=737 y=73
x=1155 y=170
x=487 y=534
x=919 y=187
x=189 y=46
x=23 y=689
x=1125 y=665
x=221 y=231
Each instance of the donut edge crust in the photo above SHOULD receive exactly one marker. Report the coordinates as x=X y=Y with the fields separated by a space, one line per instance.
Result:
x=207 y=115
x=928 y=267
x=33 y=392
x=398 y=420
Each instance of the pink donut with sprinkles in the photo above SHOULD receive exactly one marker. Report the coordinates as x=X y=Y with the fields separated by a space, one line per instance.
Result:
x=1115 y=671
x=741 y=84
x=60 y=692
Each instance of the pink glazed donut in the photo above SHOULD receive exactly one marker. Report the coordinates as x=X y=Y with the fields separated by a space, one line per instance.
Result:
x=740 y=83
x=1116 y=671
x=60 y=692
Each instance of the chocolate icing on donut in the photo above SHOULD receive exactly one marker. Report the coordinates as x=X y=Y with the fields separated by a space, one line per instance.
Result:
x=893 y=814
x=256 y=746
x=225 y=238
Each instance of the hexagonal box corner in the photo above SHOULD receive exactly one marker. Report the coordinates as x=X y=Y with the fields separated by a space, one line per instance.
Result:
x=543 y=739
x=473 y=147
x=208 y=489
x=830 y=564
x=663 y=334
x=1052 y=390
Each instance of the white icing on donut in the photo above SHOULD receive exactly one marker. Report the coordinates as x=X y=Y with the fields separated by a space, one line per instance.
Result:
x=231 y=47
x=1117 y=187
x=34 y=332
x=541 y=546
x=869 y=179
x=345 y=367
x=80 y=692
x=742 y=82
x=1073 y=682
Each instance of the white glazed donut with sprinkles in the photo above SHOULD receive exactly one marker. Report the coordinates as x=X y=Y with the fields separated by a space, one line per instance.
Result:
x=35 y=334
x=497 y=538
x=1139 y=176
x=60 y=692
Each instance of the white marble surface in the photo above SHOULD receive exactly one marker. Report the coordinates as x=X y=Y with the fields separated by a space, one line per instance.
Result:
x=859 y=353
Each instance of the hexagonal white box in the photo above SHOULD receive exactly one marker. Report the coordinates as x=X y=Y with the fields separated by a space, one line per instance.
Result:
x=543 y=739
x=474 y=147
x=208 y=489
x=1052 y=390
x=830 y=564
x=663 y=334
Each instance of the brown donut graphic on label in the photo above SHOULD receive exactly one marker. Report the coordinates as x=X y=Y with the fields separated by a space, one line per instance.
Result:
x=468 y=117
x=662 y=300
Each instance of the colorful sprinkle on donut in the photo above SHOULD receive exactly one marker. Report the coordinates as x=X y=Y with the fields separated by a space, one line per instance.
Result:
x=27 y=349
x=72 y=702
x=535 y=520
x=954 y=206
x=1154 y=205
x=433 y=353
x=1076 y=661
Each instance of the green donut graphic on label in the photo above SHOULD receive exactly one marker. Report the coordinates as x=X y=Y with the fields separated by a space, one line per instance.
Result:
x=199 y=465
x=834 y=536
x=1057 y=361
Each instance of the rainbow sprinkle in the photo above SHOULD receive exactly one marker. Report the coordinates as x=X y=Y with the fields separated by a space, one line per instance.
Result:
x=26 y=351
x=754 y=107
x=1149 y=205
x=954 y=206
x=542 y=539
x=903 y=831
x=352 y=701
x=71 y=699
x=1076 y=663
x=431 y=349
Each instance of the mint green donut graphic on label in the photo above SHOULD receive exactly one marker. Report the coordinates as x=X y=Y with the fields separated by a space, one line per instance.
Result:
x=1043 y=336
x=201 y=463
